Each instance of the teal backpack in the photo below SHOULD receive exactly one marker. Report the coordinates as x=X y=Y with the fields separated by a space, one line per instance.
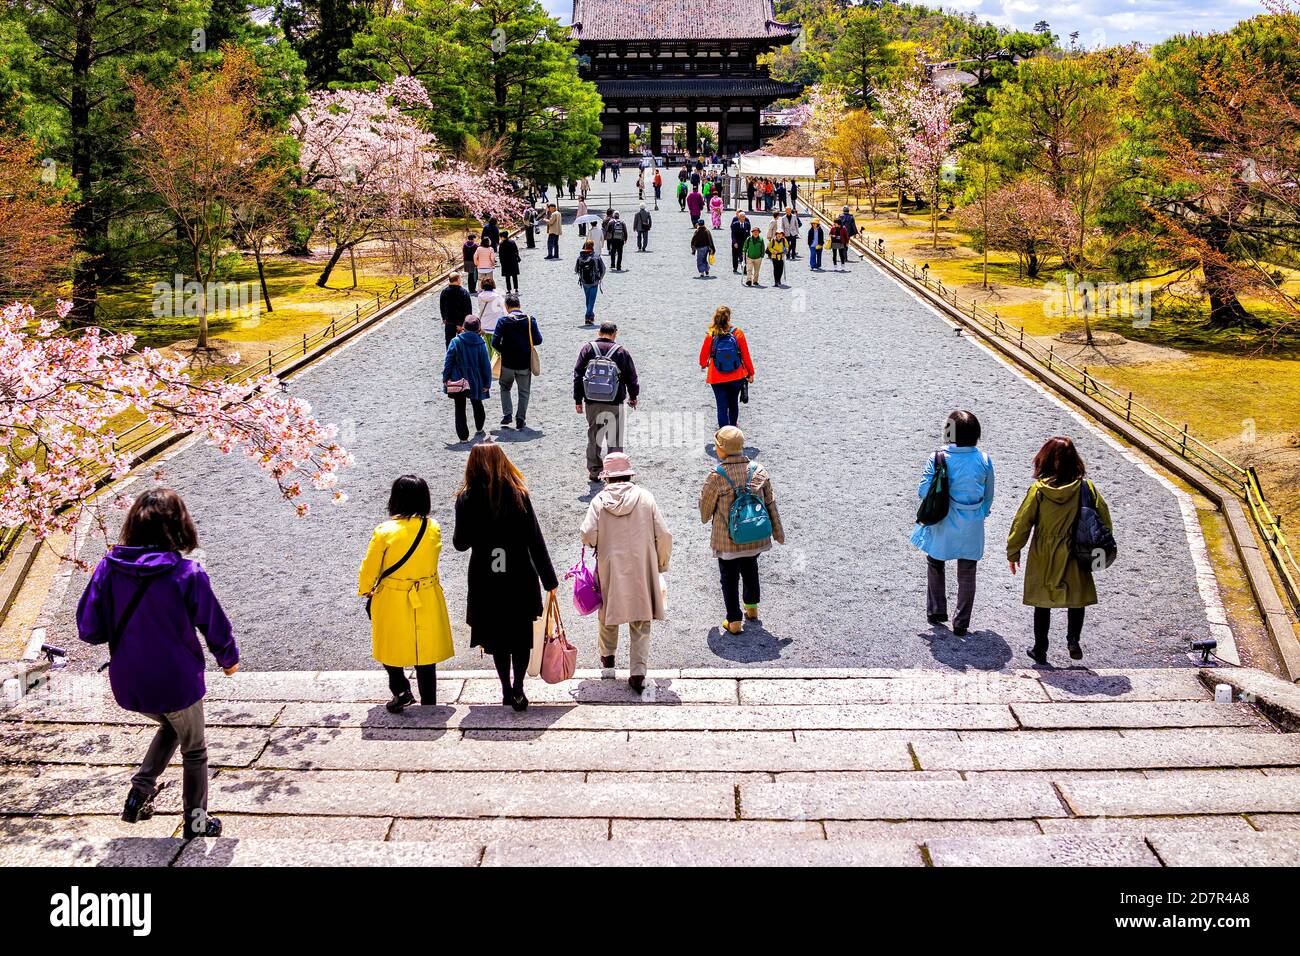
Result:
x=748 y=522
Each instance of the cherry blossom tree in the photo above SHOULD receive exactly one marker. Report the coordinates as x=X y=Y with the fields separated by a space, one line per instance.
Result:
x=382 y=175
x=920 y=115
x=1026 y=217
x=61 y=392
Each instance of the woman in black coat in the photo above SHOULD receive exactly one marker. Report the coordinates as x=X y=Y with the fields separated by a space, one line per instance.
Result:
x=491 y=233
x=508 y=257
x=496 y=523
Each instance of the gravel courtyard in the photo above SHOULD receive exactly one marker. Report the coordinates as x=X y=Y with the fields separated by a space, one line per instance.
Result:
x=855 y=378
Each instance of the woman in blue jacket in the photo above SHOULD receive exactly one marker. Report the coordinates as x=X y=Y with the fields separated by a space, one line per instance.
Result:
x=467 y=376
x=960 y=535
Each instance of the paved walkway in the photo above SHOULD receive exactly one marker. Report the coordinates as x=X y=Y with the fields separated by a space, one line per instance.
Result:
x=723 y=766
x=855 y=379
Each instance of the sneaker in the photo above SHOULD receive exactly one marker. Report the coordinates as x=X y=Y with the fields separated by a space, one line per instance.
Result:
x=402 y=700
x=1035 y=656
x=960 y=631
x=936 y=618
x=507 y=420
x=520 y=426
x=751 y=612
x=211 y=828
x=735 y=627
x=138 y=808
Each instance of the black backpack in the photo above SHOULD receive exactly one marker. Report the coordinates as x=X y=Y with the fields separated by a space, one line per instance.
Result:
x=1093 y=544
x=618 y=230
x=587 y=271
x=934 y=506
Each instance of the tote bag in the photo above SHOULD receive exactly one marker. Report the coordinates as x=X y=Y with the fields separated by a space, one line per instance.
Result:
x=534 y=360
x=559 y=657
x=586 y=586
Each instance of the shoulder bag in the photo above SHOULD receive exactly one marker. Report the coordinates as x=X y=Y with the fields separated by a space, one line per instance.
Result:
x=424 y=523
x=934 y=506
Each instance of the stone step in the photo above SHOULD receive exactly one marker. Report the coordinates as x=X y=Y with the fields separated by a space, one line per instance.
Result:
x=1134 y=715
x=904 y=800
x=1109 y=850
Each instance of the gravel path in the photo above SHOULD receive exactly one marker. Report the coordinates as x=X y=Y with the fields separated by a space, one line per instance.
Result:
x=844 y=411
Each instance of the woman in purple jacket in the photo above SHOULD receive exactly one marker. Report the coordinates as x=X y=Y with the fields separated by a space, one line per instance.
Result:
x=145 y=602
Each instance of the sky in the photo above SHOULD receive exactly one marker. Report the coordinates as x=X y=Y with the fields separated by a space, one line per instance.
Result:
x=1099 y=22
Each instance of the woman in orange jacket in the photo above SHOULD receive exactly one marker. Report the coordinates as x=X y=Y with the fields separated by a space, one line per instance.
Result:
x=725 y=357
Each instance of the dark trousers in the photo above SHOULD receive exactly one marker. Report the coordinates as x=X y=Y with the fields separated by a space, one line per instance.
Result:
x=794 y=248
x=727 y=397
x=615 y=253
x=183 y=730
x=778 y=270
x=733 y=572
x=503 y=662
x=552 y=246
x=737 y=257
x=480 y=415
x=449 y=331
x=1043 y=623
x=936 y=596
x=605 y=423
x=529 y=237
x=512 y=283
x=839 y=254
x=643 y=240
x=426 y=677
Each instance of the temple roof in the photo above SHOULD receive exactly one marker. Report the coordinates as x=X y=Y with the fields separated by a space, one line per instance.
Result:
x=630 y=20
x=685 y=88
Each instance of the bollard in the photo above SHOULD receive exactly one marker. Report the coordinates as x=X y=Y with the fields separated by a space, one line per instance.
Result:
x=1223 y=693
x=13 y=691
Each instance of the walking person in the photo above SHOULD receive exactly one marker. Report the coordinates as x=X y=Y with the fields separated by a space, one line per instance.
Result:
x=960 y=535
x=659 y=186
x=509 y=565
x=468 y=251
x=508 y=256
x=467 y=376
x=725 y=358
x=739 y=233
x=682 y=190
x=816 y=244
x=454 y=303
x=603 y=379
x=149 y=604
x=790 y=225
x=737 y=561
x=640 y=185
x=597 y=239
x=554 y=229
x=715 y=208
x=516 y=336
x=615 y=240
x=633 y=545
x=485 y=261
x=749 y=194
x=602 y=170
x=754 y=250
x=702 y=246
x=530 y=228
x=839 y=244
x=591 y=272
x=695 y=206
x=850 y=225
x=491 y=235
x=491 y=307
x=409 y=624
x=1054 y=576
x=641 y=224
x=581 y=212
x=776 y=251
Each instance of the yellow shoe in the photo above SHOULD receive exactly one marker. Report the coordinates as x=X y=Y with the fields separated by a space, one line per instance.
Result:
x=735 y=627
x=752 y=612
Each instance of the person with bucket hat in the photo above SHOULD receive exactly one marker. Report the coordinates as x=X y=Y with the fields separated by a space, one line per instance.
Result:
x=734 y=477
x=632 y=543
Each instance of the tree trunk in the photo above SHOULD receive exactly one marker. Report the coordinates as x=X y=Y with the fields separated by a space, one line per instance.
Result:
x=352 y=259
x=335 y=256
x=86 y=219
x=261 y=276
x=1226 y=310
x=1031 y=267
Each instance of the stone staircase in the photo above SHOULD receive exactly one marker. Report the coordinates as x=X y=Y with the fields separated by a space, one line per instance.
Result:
x=713 y=767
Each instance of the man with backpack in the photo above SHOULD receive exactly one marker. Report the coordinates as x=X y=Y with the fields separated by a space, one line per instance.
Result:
x=737 y=498
x=603 y=379
x=614 y=241
x=590 y=269
x=517 y=335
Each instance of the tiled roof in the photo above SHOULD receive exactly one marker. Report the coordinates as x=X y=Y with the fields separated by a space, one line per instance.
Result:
x=678 y=20
x=676 y=89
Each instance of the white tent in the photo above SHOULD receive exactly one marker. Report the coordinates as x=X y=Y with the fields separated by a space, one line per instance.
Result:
x=777 y=167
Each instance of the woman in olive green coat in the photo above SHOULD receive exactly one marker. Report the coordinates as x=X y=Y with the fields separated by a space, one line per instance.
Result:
x=1053 y=576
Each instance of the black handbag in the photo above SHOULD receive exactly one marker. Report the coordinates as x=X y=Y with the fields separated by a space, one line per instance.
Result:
x=424 y=523
x=744 y=391
x=934 y=506
x=1091 y=539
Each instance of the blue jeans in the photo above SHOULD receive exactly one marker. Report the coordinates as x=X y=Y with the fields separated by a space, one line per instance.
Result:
x=815 y=257
x=590 y=292
x=727 y=397
x=552 y=247
x=702 y=260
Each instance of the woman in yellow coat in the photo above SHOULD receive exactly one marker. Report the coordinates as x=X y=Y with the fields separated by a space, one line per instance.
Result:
x=409 y=626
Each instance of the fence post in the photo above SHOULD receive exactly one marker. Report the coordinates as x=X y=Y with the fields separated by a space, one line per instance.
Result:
x=1128 y=410
x=269 y=366
x=1050 y=353
x=304 y=343
x=1022 y=337
x=1183 y=450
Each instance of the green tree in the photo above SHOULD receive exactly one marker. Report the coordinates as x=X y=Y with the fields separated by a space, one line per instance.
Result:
x=321 y=31
x=861 y=56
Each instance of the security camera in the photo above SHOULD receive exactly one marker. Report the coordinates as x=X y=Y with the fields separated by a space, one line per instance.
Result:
x=1206 y=647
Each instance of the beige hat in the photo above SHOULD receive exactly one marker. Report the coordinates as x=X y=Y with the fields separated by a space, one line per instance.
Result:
x=729 y=440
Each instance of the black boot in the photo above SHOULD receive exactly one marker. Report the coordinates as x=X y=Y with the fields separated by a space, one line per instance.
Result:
x=1037 y=656
x=404 y=699
x=1076 y=652
x=211 y=828
x=138 y=808
x=520 y=703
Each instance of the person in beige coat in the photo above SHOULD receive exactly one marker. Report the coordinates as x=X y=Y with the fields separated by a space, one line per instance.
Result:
x=632 y=543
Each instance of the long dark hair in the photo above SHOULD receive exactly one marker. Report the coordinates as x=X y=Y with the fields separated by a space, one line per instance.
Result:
x=1058 y=462
x=158 y=520
x=489 y=473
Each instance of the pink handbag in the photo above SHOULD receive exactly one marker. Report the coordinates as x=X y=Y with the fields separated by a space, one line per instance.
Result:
x=586 y=586
x=559 y=657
